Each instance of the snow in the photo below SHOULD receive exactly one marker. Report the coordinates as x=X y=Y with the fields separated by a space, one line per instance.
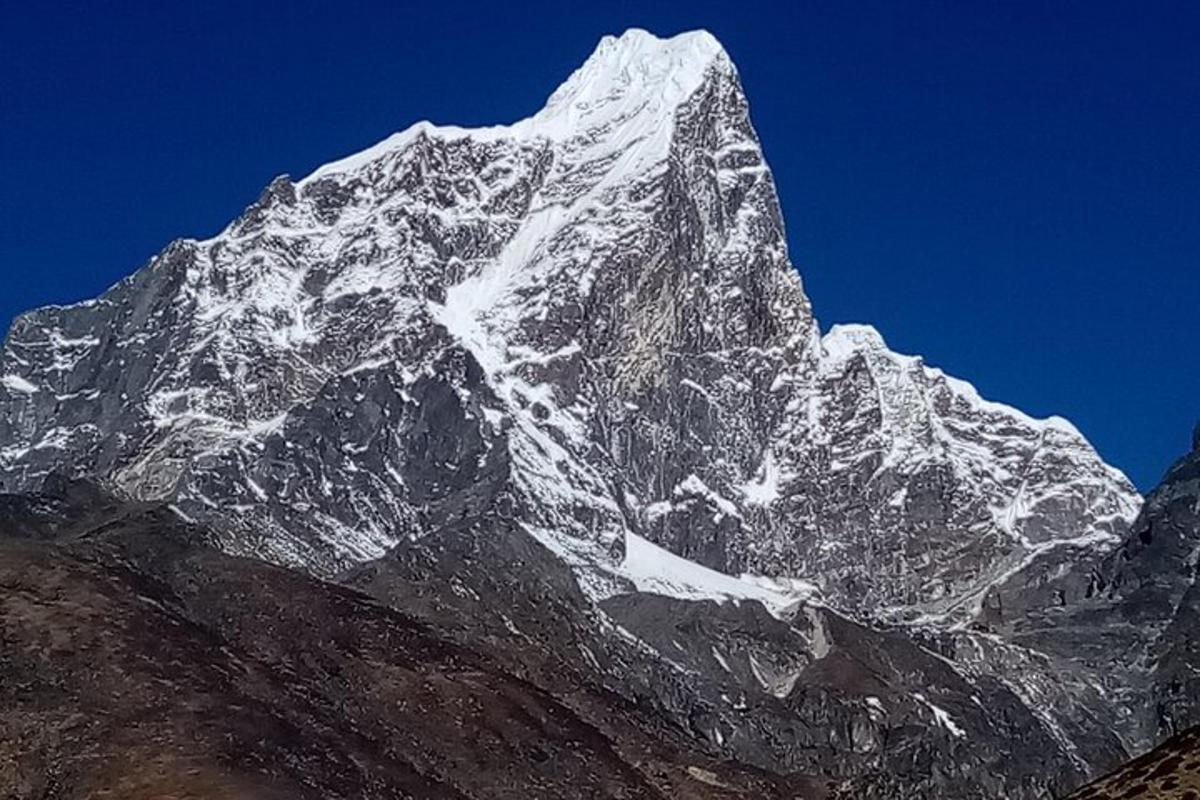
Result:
x=611 y=126
x=68 y=351
x=494 y=417
x=624 y=93
x=59 y=342
x=971 y=395
x=697 y=388
x=15 y=383
x=656 y=570
x=257 y=490
x=521 y=356
x=819 y=640
x=177 y=511
x=941 y=717
x=693 y=485
x=658 y=510
x=929 y=416
x=56 y=438
x=764 y=488
x=793 y=587
x=624 y=73
x=478 y=311
x=778 y=685
x=843 y=342
x=368 y=365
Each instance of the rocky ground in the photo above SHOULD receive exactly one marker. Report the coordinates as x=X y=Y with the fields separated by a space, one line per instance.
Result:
x=1170 y=771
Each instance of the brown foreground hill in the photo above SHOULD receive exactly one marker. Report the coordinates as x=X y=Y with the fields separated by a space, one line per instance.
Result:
x=1170 y=771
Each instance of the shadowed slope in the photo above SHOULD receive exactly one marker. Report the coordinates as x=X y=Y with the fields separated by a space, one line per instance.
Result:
x=138 y=663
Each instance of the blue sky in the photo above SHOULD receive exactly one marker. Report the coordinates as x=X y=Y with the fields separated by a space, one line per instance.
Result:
x=1010 y=189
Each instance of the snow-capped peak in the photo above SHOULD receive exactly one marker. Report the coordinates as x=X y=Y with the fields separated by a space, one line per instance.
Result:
x=627 y=74
x=634 y=75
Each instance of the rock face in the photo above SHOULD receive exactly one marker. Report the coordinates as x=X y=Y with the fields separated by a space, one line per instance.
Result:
x=142 y=662
x=1154 y=578
x=1147 y=596
x=571 y=356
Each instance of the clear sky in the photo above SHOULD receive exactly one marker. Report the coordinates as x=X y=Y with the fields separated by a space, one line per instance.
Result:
x=1011 y=189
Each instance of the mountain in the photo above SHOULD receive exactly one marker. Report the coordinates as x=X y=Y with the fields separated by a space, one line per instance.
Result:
x=556 y=388
x=575 y=296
